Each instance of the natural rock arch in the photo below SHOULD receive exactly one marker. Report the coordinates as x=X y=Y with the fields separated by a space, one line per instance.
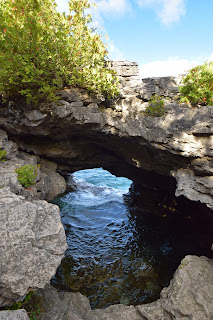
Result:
x=86 y=132
x=171 y=154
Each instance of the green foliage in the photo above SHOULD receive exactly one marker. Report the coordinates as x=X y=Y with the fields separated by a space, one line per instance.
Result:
x=27 y=175
x=43 y=51
x=156 y=107
x=19 y=304
x=3 y=154
x=197 y=85
x=31 y=303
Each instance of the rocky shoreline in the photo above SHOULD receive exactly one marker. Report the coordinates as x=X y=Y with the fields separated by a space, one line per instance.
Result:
x=174 y=153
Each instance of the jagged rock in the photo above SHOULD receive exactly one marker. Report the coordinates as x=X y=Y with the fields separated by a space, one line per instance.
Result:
x=48 y=184
x=163 y=86
x=32 y=245
x=195 y=188
x=14 y=315
x=128 y=73
x=35 y=115
x=10 y=147
x=189 y=295
x=57 y=182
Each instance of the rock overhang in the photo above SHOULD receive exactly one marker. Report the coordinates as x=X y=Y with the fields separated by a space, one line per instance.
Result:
x=82 y=132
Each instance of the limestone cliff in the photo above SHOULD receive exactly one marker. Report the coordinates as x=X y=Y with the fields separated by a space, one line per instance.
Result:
x=172 y=153
x=32 y=237
x=81 y=132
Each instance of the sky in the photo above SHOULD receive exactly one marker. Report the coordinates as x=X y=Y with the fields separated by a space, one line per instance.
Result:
x=165 y=37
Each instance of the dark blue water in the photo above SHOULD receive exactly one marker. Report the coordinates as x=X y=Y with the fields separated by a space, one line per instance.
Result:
x=114 y=256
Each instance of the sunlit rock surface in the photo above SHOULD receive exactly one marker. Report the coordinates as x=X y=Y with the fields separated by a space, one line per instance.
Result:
x=14 y=315
x=32 y=245
x=189 y=295
x=32 y=237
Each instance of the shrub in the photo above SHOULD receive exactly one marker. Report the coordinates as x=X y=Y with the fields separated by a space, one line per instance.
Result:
x=197 y=85
x=27 y=175
x=156 y=107
x=3 y=154
x=43 y=51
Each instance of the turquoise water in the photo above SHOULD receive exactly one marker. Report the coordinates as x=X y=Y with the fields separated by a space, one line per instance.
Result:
x=116 y=253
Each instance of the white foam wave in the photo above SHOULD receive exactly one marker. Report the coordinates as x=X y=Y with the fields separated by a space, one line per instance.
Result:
x=88 y=194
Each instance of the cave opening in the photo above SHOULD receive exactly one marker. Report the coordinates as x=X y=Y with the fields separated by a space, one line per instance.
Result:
x=125 y=241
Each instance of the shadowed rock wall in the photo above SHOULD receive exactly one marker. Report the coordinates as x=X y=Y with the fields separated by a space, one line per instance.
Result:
x=81 y=132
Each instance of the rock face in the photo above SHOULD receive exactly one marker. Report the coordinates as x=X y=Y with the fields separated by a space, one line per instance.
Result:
x=32 y=237
x=192 y=186
x=48 y=184
x=32 y=245
x=165 y=87
x=188 y=297
x=82 y=132
x=14 y=315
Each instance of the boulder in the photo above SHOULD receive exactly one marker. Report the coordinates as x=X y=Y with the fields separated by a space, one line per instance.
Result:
x=189 y=295
x=32 y=245
x=57 y=182
x=14 y=315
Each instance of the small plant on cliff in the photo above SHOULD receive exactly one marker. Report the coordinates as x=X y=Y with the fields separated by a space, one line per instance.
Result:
x=27 y=175
x=31 y=303
x=156 y=107
x=3 y=154
x=197 y=85
x=43 y=51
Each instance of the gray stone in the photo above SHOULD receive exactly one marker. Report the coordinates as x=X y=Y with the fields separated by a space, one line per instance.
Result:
x=14 y=315
x=189 y=295
x=69 y=95
x=77 y=103
x=32 y=245
x=62 y=109
x=35 y=115
x=57 y=182
x=163 y=86
x=10 y=147
x=48 y=184
x=195 y=188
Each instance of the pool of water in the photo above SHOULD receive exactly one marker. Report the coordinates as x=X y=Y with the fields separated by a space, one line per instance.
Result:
x=116 y=253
